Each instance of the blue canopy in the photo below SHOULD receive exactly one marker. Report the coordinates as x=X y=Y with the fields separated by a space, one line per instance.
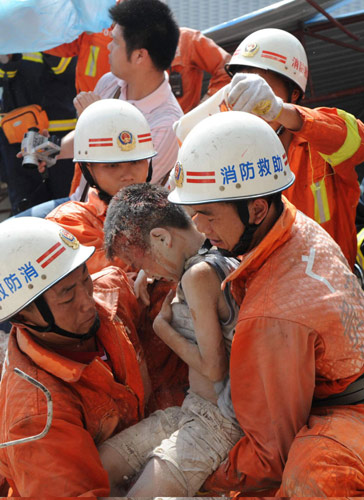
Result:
x=36 y=25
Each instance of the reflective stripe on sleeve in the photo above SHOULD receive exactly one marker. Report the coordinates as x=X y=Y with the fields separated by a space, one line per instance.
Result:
x=61 y=125
x=322 y=209
x=351 y=144
x=7 y=74
x=33 y=56
x=62 y=66
x=360 y=242
x=91 y=65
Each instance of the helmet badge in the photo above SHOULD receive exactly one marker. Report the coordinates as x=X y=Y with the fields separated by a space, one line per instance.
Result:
x=250 y=49
x=69 y=239
x=178 y=175
x=126 y=141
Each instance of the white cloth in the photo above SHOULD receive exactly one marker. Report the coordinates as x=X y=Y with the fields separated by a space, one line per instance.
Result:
x=251 y=93
x=161 y=110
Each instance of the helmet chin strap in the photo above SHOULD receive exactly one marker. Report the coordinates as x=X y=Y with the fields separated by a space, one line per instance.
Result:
x=52 y=327
x=246 y=238
x=150 y=171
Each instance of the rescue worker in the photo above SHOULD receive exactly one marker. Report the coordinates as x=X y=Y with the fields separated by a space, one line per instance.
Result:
x=323 y=145
x=76 y=336
x=195 y=55
x=296 y=364
x=114 y=147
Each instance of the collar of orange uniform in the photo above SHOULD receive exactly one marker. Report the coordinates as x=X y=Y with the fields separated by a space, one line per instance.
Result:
x=278 y=235
x=99 y=206
x=61 y=367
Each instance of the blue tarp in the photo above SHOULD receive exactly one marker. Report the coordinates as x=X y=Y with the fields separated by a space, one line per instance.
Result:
x=35 y=25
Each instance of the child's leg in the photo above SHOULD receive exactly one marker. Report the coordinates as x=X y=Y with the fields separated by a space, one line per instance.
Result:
x=126 y=453
x=156 y=479
x=118 y=469
x=183 y=461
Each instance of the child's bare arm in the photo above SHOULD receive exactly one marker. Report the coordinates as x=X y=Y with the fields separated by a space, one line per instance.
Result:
x=202 y=289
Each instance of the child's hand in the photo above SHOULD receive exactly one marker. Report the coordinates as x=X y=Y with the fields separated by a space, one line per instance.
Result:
x=165 y=314
x=140 y=287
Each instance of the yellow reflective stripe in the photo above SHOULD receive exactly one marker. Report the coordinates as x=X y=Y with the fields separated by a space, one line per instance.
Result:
x=322 y=209
x=8 y=74
x=33 y=56
x=359 y=255
x=92 y=61
x=59 y=125
x=62 y=66
x=351 y=144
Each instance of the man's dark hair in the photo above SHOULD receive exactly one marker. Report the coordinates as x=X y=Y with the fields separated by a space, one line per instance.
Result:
x=150 y=25
x=134 y=211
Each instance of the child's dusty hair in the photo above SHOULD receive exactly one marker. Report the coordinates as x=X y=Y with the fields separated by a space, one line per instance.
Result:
x=134 y=211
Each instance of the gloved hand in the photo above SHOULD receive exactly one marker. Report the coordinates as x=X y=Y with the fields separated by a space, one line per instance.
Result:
x=251 y=93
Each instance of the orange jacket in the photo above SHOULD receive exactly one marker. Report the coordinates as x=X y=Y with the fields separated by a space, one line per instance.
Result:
x=167 y=371
x=90 y=403
x=323 y=156
x=299 y=335
x=93 y=57
x=196 y=54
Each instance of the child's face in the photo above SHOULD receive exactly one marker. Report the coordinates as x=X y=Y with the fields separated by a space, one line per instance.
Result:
x=159 y=261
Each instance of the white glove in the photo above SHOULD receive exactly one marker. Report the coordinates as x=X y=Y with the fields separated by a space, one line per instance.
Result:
x=251 y=93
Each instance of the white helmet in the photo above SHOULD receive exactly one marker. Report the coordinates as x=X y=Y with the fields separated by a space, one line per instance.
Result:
x=275 y=50
x=230 y=156
x=35 y=254
x=112 y=131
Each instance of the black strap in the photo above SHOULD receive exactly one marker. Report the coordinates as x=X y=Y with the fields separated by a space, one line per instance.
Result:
x=85 y=191
x=117 y=93
x=353 y=395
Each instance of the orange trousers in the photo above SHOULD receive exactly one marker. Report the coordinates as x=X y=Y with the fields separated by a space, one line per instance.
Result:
x=326 y=458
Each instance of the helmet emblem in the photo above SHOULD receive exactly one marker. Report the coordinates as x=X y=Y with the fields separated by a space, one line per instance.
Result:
x=126 y=141
x=69 y=239
x=178 y=175
x=250 y=49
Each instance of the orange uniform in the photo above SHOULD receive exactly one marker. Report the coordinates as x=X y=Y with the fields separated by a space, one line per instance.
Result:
x=323 y=156
x=91 y=402
x=196 y=54
x=93 y=57
x=299 y=338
